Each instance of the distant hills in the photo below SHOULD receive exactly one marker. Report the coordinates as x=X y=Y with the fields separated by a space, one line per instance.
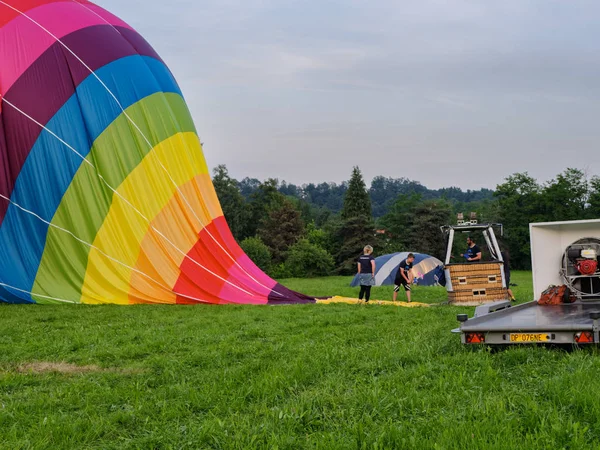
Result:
x=383 y=192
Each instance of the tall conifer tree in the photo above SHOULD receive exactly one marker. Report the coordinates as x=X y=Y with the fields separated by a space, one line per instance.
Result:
x=357 y=229
x=356 y=200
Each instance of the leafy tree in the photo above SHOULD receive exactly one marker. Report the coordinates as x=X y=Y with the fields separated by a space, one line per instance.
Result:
x=248 y=186
x=384 y=191
x=425 y=234
x=316 y=236
x=382 y=194
x=520 y=202
x=322 y=216
x=265 y=199
x=308 y=260
x=565 y=197
x=331 y=228
x=258 y=252
x=290 y=190
x=455 y=194
x=325 y=195
x=281 y=229
x=520 y=184
x=308 y=212
x=231 y=200
x=593 y=205
x=399 y=220
x=356 y=200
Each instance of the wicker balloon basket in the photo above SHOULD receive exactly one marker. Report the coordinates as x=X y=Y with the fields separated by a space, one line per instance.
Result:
x=475 y=283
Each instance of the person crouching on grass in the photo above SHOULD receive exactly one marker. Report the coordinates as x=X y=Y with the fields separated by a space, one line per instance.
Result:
x=404 y=276
x=366 y=273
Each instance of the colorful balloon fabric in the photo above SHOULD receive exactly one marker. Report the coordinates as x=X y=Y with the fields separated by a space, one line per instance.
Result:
x=105 y=196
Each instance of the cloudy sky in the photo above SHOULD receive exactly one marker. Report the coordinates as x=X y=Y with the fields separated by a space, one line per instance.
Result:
x=450 y=93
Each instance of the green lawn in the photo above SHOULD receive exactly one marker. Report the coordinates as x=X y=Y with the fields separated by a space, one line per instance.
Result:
x=306 y=376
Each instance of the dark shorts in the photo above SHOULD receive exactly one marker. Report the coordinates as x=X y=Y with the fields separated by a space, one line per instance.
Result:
x=403 y=283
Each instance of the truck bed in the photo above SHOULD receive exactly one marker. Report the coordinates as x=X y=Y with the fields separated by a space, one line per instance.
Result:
x=559 y=321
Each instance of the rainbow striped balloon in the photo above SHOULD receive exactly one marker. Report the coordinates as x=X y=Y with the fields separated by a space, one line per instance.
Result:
x=105 y=196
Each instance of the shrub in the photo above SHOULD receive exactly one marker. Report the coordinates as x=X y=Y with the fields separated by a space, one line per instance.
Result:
x=258 y=252
x=279 y=271
x=306 y=260
x=318 y=236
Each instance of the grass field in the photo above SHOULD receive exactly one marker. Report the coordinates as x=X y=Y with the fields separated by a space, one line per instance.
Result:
x=307 y=376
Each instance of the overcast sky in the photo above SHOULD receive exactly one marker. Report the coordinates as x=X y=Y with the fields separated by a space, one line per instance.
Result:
x=449 y=93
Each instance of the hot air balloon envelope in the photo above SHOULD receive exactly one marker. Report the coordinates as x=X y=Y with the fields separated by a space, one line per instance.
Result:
x=105 y=196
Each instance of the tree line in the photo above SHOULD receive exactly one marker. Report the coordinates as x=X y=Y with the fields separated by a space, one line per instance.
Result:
x=316 y=230
x=383 y=191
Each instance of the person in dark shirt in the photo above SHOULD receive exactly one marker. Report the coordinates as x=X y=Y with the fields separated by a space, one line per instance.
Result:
x=473 y=252
x=506 y=263
x=404 y=276
x=366 y=273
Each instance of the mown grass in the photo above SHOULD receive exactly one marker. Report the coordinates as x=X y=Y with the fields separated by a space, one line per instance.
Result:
x=306 y=376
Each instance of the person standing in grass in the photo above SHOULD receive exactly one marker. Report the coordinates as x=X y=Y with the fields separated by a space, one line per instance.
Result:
x=404 y=276
x=366 y=273
x=506 y=263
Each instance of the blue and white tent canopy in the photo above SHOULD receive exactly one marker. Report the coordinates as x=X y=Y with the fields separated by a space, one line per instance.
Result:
x=427 y=270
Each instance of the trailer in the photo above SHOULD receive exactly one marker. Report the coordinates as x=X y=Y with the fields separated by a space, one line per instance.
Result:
x=562 y=253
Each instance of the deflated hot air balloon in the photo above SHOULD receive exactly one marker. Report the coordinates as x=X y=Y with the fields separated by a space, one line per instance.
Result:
x=105 y=196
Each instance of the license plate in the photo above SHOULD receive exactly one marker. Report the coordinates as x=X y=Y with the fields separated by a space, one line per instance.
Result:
x=529 y=337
